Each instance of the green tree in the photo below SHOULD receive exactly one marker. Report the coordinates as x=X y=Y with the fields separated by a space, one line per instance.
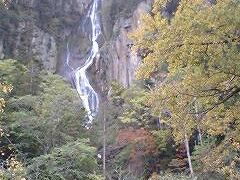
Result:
x=73 y=161
x=43 y=130
x=135 y=107
x=37 y=124
x=14 y=73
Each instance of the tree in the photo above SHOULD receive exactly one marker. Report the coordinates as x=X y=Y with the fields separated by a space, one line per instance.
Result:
x=43 y=135
x=4 y=88
x=73 y=161
x=14 y=73
x=200 y=44
x=136 y=111
x=37 y=124
x=14 y=168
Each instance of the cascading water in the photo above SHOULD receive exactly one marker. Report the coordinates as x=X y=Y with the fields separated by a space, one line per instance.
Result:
x=85 y=90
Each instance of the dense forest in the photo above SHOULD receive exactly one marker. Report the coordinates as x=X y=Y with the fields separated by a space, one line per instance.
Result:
x=177 y=118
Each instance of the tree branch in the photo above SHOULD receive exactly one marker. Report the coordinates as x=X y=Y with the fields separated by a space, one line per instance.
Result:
x=236 y=91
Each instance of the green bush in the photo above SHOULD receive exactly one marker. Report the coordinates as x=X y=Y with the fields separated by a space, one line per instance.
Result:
x=74 y=161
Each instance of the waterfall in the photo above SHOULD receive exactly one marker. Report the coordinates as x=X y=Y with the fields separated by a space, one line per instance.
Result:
x=86 y=92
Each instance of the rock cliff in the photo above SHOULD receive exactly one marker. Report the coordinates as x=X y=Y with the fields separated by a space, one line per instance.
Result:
x=37 y=32
x=117 y=60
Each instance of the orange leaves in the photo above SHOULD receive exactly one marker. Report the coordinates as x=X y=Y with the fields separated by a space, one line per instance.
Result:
x=141 y=144
x=142 y=141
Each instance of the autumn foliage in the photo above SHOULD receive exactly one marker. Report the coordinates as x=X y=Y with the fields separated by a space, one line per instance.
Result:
x=142 y=144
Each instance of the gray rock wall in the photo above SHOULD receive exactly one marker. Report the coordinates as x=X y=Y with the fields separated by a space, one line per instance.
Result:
x=38 y=30
x=42 y=29
x=117 y=61
x=44 y=49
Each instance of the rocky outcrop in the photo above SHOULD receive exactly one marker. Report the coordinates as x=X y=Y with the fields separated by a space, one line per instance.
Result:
x=44 y=49
x=117 y=61
x=34 y=44
x=36 y=31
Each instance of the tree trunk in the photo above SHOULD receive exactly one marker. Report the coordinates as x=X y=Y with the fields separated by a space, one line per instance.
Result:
x=159 y=125
x=188 y=155
x=198 y=118
x=31 y=79
x=104 y=144
x=199 y=135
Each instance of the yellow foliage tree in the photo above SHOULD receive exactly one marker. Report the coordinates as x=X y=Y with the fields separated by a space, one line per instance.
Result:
x=201 y=45
x=5 y=88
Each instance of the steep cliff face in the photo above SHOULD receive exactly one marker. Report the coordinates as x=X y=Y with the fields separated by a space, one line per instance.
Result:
x=44 y=49
x=38 y=31
x=37 y=45
x=117 y=60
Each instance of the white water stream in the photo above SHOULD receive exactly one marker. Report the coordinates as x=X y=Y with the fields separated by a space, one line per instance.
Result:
x=85 y=90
